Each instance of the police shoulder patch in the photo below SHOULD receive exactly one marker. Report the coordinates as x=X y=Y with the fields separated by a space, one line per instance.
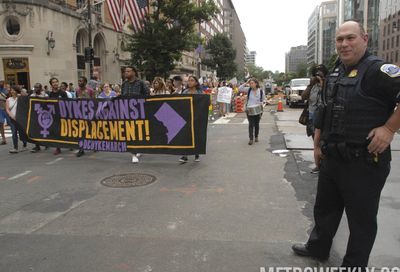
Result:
x=391 y=70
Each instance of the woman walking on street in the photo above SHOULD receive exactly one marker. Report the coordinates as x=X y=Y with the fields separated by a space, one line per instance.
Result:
x=255 y=98
x=193 y=88
x=11 y=108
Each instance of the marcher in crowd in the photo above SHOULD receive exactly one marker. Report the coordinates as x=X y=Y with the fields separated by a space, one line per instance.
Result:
x=158 y=87
x=83 y=91
x=3 y=114
x=193 y=88
x=133 y=86
x=37 y=92
x=106 y=91
x=352 y=143
x=16 y=130
x=178 y=84
x=255 y=98
x=169 y=84
x=56 y=92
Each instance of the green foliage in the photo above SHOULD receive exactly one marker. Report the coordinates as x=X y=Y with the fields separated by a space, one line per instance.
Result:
x=302 y=70
x=256 y=71
x=167 y=32
x=221 y=56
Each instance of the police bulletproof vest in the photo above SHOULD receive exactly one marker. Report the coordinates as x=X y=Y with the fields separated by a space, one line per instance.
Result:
x=352 y=113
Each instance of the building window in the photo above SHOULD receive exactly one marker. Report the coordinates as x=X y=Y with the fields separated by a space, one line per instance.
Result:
x=12 y=26
x=384 y=31
x=392 y=42
x=80 y=3
x=384 y=44
x=387 y=44
x=397 y=56
x=397 y=40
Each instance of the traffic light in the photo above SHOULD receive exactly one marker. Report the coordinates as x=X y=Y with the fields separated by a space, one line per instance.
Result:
x=89 y=54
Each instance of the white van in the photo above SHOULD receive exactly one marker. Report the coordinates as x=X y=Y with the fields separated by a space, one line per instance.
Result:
x=296 y=87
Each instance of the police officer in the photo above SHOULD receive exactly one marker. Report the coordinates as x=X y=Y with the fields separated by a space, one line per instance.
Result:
x=354 y=131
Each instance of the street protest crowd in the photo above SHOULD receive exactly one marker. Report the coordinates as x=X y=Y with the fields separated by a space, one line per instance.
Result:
x=132 y=85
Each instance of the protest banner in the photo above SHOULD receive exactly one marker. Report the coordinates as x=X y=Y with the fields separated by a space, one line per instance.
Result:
x=161 y=124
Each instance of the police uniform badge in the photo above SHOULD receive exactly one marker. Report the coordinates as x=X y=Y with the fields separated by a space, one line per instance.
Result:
x=353 y=73
x=391 y=70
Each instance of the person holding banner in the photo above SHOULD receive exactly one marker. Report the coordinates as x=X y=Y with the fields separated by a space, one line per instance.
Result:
x=11 y=108
x=133 y=86
x=38 y=92
x=56 y=92
x=254 y=109
x=193 y=88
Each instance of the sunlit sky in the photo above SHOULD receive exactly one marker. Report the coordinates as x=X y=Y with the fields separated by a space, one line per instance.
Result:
x=273 y=26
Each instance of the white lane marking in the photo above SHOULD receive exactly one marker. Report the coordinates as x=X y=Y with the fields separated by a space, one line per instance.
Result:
x=245 y=122
x=222 y=121
x=54 y=161
x=231 y=114
x=20 y=175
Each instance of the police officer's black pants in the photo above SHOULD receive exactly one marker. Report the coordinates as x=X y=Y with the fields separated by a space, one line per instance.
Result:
x=254 y=125
x=353 y=187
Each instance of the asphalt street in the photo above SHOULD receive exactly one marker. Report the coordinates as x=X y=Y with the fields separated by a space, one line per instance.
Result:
x=239 y=209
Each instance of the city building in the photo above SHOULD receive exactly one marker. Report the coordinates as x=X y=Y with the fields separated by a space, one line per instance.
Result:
x=295 y=57
x=326 y=31
x=312 y=41
x=233 y=28
x=389 y=34
x=367 y=13
x=43 y=39
x=251 y=58
x=190 y=62
x=321 y=33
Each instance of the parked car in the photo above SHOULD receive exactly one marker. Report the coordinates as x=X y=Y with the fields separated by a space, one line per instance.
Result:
x=296 y=88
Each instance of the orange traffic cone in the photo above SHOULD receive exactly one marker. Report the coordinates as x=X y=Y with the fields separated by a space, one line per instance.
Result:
x=280 y=105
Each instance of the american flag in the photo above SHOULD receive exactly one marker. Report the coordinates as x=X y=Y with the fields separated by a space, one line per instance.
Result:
x=117 y=13
x=137 y=10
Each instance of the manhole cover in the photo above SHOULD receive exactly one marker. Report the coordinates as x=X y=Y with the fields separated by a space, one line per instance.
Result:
x=128 y=180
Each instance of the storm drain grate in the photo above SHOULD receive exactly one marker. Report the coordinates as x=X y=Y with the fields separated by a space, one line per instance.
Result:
x=128 y=180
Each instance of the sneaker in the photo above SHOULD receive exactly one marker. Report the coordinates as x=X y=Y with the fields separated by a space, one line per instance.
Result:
x=80 y=153
x=57 y=151
x=35 y=149
x=138 y=155
x=24 y=148
x=135 y=159
x=183 y=159
x=13 y=151
x=250 y=142
x=256 y=140
x=315 y=170
x=197 y=158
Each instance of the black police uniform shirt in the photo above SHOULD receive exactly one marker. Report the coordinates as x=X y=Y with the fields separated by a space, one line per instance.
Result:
x=382 y=81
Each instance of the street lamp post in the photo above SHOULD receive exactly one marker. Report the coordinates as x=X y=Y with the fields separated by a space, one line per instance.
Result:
x=89 y=20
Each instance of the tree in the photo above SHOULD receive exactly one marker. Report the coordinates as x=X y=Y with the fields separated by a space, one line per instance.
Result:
x=256 y=71
x=167 y=32
x=302 y=70
x=221 y=56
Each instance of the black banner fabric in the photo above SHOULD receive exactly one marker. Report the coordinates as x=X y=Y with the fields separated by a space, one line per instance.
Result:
x=159 y=124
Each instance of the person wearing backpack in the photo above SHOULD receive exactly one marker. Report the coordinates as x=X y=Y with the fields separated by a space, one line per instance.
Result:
x=255 y=98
